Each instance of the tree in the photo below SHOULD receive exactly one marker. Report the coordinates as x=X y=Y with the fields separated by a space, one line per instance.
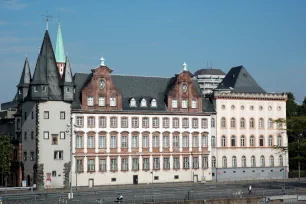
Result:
x=6 y=149
x=291 y=105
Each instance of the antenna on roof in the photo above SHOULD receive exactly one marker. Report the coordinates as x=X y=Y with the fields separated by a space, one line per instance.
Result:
x=207 y=65
x=48 y=18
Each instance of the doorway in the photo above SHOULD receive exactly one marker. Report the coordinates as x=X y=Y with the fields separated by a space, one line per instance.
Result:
x=28 y=180
x=135 y=179
x=90 y=183
x=195 y=178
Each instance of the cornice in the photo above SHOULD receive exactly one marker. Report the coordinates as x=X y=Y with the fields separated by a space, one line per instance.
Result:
x=261 y=96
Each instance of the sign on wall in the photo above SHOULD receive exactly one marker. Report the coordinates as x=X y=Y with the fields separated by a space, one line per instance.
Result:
x=24 y=183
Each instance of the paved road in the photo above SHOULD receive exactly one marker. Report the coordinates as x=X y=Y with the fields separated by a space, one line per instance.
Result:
x=147 y=193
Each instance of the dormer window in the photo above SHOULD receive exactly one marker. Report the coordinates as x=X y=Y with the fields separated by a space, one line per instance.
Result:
x=113 y=101
x=35 y=89
x=143 y=103
x=194 y=103
x=90 y=101
x=184 y=103
x=174 y=103
x=153 y=103
x=133 y=102
x=44 y=89
x=101 y=101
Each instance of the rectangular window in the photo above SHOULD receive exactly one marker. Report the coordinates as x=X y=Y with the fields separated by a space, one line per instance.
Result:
x=124 y=143
x=146 y=163
x=185 y=141
x=53 y=173
x=90 y=101
x=134 y=141
x=62 y=115
x=35 y=89
x=155 y=163
x=155 y=123
x=102 y=165
x=32 y=135
x=135 y=164
x=186 y=162
x=79 y=121
x=102 y=122
x=176 y=163
x=54 y=139
x=62 y=135
x=124 y=122
x=46 y=114
x=194 y=123
x=113 y=164
x=124 y=164
x=204 y=123
x=79 y=165
x=113 y=142
x=184 y=104
x=135 y=123
x=113 y=122
x=101 y=101
x=176 y=141
x=91 y=122
x=90 y=142
x=145 y=122
x=166 y=163
x=195 y=141
x=91 y=165
x=25 y=135
x=25 y=156
x=155 y=141
x=58 y=155
x=145 y=141
x=195 y=162
x=204 y=141
x=175 y=123
x=102 y=142
x=165 y=122
x=32 y=156
x=194 y=104
x=185 y=122
x=112 y=101
x=174 y=103
x=46 y=135
x=79 y=141
x=44 y=88
x=205 y=162
x=166 y=141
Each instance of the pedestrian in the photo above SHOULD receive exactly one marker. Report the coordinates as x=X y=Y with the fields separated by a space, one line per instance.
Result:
x=250 y=189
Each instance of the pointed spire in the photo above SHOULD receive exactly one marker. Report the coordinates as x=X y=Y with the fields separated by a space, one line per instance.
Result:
x=67 y=78
x=59 y=48
x=26 y=75
x=102 y=61
x=184 y=66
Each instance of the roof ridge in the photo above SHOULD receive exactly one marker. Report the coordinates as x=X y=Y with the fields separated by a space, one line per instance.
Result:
x=141 y=76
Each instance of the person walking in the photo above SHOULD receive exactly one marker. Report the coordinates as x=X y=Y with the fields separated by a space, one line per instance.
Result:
x=250 y=190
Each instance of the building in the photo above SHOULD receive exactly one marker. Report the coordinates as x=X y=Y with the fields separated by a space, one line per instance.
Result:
x=135 y=129
x=246 y=131
x=209 y=79
x=45 y=100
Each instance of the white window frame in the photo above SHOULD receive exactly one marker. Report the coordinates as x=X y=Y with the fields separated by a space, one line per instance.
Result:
x=101 y=101
x=113 y=101
x=184 y=103
x=90 y=101
x=194 y=103
x=153 y=103
x=133 y=102
x=174 y=103
x=143 y=103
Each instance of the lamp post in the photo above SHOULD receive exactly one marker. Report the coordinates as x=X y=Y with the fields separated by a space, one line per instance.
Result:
x=152 y=188
x=69 y=131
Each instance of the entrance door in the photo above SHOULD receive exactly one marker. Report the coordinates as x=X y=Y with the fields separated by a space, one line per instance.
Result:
x=135 y=179
x=195 y=178
x=28 y=180
x=91 y=183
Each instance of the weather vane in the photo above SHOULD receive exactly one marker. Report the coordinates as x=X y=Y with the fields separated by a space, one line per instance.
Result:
x=48 y=18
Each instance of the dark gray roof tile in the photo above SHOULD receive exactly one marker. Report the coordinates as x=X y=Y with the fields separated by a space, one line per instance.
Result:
x=209 y=72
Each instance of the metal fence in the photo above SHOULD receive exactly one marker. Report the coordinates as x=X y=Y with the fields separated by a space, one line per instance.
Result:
x=145 y=195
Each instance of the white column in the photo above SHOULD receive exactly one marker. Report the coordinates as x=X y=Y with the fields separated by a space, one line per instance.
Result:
x=151 y=142
x=200 y=141
x=161 y=138
x=107 y=142
x=96 y=164
x=171 y=162
x=85 y=143
x=85 y=164
x=171 y=142
x=161 y=163
x=119 y=163
x=140 y=163
x=129 y=142
x=181 y=142
x=96 y=143
x=108 y=164
x=190 y=142
x=118 y=142
x=140 y=142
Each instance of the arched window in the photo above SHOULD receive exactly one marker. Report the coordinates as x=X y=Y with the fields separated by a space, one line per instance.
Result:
x=233 y=141
x=261 y=141
x=213 y=162
x=213 y=123
x=143 y=103
x=153 y=103
x=242 y=123
x=242 y=141
x=224 y=162
x=262 y=161
x=270 y=141
x=213 y=141
x=234 y=161
x=243 y=161
x=223 y=122
x=252 y=123
x=252 y=141
x=270 y=123
x=233 y=122
x=233 y=107
x=261 y=123
x=133 y=102
x=280 y=160
x=271 y=160
x=223 y=143
x=279 y=140
x=253 y=162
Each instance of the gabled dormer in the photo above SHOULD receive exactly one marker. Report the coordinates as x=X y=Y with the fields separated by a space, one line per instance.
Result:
x=183 y=95
x=100 y=92
x=67 y=82
x=25 y=79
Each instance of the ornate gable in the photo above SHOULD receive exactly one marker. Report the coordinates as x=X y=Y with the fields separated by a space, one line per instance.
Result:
x=100 y=92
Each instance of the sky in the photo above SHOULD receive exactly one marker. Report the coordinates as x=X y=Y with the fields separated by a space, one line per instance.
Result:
x=154 y=38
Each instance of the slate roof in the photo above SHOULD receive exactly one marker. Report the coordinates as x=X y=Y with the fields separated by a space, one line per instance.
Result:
x=67 y=76
x=25 y=78
x=209 y=72
x=137 y=87
x=239 y=80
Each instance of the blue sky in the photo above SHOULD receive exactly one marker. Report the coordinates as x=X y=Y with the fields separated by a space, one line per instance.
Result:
x=154 y=37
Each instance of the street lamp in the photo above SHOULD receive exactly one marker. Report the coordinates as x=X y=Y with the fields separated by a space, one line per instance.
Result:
x=69 y=131
x=152 y=188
